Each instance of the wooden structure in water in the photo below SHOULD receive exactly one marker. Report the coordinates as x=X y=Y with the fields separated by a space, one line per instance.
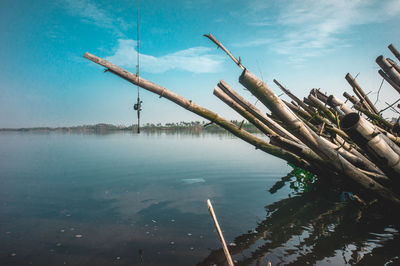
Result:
x=321 y=133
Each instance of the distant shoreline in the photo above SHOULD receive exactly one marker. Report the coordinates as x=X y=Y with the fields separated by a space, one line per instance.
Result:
x=196 y=126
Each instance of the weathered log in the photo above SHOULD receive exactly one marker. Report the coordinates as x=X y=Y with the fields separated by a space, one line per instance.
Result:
x=278 y=129
x=394 y=51
x=367 y=137
x=338 y=105
x=311 y=139
x=360 y=93
x=201 y=111
x=389 y=80
x=389 y=69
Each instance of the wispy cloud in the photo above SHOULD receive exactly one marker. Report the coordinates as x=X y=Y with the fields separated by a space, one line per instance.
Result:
x=196 y=59
x=309 y=28
x=92 y=13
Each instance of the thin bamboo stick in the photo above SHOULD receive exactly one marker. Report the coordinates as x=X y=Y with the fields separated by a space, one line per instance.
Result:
x=360 y=93
x=221 y=236
x=389 y=69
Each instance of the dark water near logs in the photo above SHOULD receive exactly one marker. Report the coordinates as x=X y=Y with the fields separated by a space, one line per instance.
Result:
x=127 y=199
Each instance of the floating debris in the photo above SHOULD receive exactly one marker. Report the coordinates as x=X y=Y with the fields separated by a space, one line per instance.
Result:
x=190 y=181
x=118 y=258
x=154 y=221
x=232 y=244
x=78 y=236
x=62 y=230
x=172 y=242
x=189 y=234
x=58 y=244
x=191 y=248
x=173 y=220
x=13 y=254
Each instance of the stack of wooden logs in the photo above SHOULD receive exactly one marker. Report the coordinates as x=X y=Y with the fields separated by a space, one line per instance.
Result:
x=320 y=133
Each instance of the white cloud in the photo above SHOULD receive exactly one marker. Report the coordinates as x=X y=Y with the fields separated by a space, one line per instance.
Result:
x=91 y=13
x=196 y=59
x=310 y=28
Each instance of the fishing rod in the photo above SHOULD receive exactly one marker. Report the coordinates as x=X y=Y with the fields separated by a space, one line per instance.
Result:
x=138 y=105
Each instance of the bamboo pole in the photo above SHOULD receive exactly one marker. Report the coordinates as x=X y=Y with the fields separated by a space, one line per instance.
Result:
x=294 y=97
x=389 y=69
x=360 y=93
x=338 y=104
x=389 y=80
x=311 y=139
x=394 y=51
x=322 y=108
x=221 y=236
x=278 y=129
x=394 y=64
x=368 y=138
x=201 y=111
x=374 y=117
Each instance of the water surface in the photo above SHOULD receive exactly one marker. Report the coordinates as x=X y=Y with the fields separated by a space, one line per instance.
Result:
x=128 y=199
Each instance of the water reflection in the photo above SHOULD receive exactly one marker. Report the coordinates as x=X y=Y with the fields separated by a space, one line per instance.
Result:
x=314 y=229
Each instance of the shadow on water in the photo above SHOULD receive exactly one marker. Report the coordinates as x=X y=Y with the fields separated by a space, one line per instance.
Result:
x=316 y=229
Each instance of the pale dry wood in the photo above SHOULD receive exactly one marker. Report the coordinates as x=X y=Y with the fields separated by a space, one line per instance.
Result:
x=338 y=104
x=221 y=236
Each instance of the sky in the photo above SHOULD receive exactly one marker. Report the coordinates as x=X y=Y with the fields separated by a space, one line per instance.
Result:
x=304 y=44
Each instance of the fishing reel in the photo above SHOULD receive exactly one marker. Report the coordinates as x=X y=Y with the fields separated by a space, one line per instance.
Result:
x=138 y=106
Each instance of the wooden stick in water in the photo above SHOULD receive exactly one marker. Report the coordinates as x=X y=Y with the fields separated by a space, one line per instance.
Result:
x=221 y=236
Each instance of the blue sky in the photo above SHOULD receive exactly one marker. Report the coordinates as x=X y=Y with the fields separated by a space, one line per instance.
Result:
x=304 y=44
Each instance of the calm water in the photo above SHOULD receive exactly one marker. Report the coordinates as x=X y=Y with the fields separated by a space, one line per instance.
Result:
x=127 y=199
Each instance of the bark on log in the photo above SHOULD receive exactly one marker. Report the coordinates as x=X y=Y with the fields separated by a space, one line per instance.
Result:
x=352 y=99
x=367 y=137
x=389 y=69
x=376 y=118
x=394 y=64
x=322 y=108
x=201 y=111
x=311 y=139
x=278 y=129
x=360 y=93
x=394 y=51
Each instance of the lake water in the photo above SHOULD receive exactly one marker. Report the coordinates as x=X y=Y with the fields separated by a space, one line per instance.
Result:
x=128 y=199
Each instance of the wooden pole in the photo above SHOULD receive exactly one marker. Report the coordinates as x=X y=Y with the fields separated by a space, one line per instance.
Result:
x=389 y=80
x=394 y=51
x=278 y=129
x=389 y=69
x=339 y=104
x=221 y=236
x=360 y=93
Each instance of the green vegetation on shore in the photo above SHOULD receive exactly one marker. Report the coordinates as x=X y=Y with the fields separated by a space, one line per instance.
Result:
x=193 y=126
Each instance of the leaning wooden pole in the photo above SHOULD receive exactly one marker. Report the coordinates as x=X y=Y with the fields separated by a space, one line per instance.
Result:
x=361 y=94
x=221 y=236
x=389 y=69
x=394 y=51
x=201 y=111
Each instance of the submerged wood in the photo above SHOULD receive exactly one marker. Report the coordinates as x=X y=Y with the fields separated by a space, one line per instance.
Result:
x=278 y=129
x=219 y=231
x=368 y=138
x=201 y=111
x=361 y=94
x=394 y=51
x=311 y=139
x=388 y=69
